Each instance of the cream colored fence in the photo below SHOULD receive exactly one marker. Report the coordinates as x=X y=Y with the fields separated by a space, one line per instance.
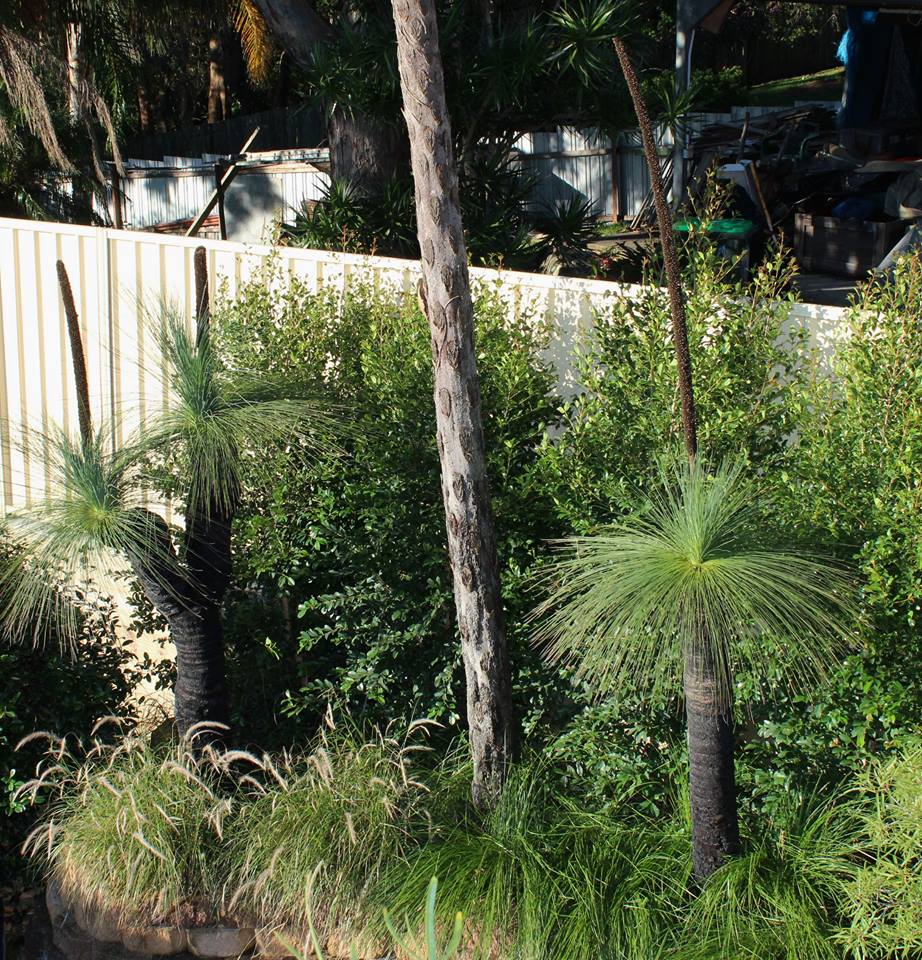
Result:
x=118 y=276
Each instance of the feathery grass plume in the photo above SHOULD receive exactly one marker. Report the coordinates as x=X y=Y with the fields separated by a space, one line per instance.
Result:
x=343 y=820
x=133 y=829
x=884 y=901
x=690 y=573
x=781 y=900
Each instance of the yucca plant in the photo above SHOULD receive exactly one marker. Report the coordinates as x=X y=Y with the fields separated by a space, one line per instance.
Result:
x=94 y=521
x=686 y=591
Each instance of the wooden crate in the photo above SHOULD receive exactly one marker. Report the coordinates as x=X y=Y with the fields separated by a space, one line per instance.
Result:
x=848 y=248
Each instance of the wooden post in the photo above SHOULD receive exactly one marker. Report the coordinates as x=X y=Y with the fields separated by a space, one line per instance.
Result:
x=117 y=200
x=219 y=188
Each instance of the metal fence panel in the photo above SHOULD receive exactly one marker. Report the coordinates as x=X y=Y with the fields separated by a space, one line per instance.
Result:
x=119 y=280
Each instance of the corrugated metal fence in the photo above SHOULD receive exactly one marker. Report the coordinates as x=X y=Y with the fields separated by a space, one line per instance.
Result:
x=119 y=277
x=611 y=173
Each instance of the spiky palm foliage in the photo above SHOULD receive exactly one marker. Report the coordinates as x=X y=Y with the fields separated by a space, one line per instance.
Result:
x=688 y=589
x=688 y=572
x=93 y=520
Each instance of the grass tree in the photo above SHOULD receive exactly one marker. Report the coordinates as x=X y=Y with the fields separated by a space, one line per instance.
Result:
x=678 y=585
x=94 y=519
x=687 y=590
x=445 y=296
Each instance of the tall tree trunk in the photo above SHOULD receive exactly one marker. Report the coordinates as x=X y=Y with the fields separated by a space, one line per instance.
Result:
x=217 y=87
x=363 y=149
x=445 y=292
x=144 y=109
x=76 y=68
x=709 y=718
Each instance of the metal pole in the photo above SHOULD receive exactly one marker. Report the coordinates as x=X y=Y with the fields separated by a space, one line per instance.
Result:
x=684 y=38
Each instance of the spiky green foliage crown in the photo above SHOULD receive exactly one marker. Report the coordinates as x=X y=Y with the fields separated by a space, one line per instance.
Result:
x=93 y=519
x=691 y=572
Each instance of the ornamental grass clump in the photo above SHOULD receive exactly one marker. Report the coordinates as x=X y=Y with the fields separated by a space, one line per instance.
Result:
x=131 y=828
x=783 y=898
x=540 y=877
x=336 y=816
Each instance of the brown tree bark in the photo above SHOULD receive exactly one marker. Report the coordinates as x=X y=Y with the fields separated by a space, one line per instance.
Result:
x=217 y=87
x=363 y=150
x=709 y=718
x=446 y=296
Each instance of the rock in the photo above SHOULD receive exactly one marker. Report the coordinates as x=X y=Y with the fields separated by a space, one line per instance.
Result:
x=272 y=943
x=58 y=908
x=156 y=941
x=220 y=941
x=73 y=942
x=102 y=924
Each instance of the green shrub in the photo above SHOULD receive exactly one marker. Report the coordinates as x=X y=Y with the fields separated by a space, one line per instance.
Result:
x=355 y=542
x=852 y=480
x=47 y=687
x=628 y=410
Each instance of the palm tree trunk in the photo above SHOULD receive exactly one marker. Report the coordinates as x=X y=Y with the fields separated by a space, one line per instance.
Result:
x=446 y=298
x=712 y=779
x=194 y=622
x=709 y=720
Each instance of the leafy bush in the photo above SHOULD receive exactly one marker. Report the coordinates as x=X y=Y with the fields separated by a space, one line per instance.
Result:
x=851 y=479
x=363 y=557
x=627 y=411
x=493 y=192
x=47 y=687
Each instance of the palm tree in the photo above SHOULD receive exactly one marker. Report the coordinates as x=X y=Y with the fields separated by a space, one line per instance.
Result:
x=687 y=589
x=445 y=297
x=95 y=520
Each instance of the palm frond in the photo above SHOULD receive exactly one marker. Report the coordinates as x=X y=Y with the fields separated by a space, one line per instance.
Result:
x=19 y=59
x=689 y=573
x=255 y=39
x=76 y=540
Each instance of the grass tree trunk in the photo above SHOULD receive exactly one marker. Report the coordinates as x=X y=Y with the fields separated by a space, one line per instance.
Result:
x=709 y=718
x=446 y=298
x=187 y=596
